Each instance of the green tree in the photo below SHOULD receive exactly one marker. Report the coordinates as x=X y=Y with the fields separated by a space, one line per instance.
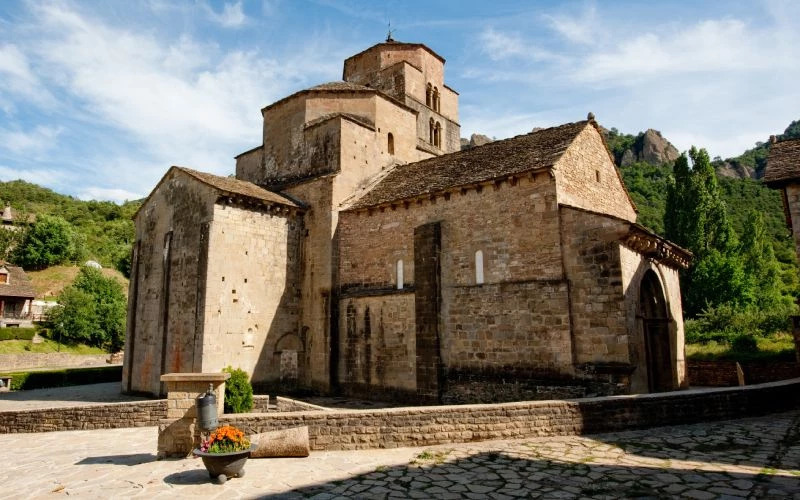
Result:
x=48 y=242
x=696 y=218
x=761 y=265
x=9 y=239
x=92 y=310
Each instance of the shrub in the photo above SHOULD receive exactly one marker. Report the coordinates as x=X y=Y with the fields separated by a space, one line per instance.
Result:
x=238 y=391
x=744 y=343
x=61 y=378
x=17 y=333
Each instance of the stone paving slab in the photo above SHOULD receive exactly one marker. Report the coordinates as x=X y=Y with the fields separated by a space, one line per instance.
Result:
x=748 y=458
x=60 y=397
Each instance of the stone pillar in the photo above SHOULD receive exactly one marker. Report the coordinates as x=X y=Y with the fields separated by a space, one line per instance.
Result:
x=177 y=434
x=427 y=306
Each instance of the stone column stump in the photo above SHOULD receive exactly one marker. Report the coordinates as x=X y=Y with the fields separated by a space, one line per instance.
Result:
x=178 y=434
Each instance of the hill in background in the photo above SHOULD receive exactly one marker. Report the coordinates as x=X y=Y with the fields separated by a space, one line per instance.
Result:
x=105 y=229
x=49 y=282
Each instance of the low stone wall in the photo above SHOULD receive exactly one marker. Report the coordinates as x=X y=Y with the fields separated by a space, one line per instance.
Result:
x=723 y=373
x=423 y=426
x=26 y=361
x=101 y=416
x=260 y=404
x=286 y=405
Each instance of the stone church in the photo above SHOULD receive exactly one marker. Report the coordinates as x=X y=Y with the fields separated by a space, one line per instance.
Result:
x=359 y=251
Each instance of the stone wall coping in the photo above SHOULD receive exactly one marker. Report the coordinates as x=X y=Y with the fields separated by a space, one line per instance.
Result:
x=411 y=410
x=195 y=377
x=98 y=404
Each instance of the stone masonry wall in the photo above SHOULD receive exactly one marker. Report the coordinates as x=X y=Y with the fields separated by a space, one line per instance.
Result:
x=166 y=278
x=377 y=343
x=723 y=373
x=424 y=426
x=516 y=228
x=252 y=294
x=102 y=416
x=588 y=179
x=11 y=362
x=592 y=263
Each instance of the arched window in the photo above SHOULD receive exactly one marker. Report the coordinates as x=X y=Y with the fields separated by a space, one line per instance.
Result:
x=437 y=135
x=429 y=96
x=390 y=143
x=435 y=99
x=430 y=130
x=479 y=267
x=400 y=274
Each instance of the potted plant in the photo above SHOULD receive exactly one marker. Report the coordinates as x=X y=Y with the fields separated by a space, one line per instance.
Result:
x=224 y=453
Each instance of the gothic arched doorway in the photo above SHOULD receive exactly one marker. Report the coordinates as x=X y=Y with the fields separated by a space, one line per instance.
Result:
x=655 y=327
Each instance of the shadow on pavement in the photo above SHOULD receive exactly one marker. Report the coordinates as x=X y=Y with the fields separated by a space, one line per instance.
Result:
x=189 y=477
x=501 y=475
x=129 y=460
x=754 y=442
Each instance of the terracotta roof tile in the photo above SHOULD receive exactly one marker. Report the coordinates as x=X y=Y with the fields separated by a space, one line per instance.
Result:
x=19 y=285
x=235 y=186
x=783 y=162
x=534 y=151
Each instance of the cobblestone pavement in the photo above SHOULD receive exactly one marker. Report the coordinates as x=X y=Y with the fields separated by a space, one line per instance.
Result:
x=748 y=458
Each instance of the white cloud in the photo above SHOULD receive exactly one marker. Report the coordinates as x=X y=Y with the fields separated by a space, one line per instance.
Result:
x=499 y=45
x=179 y=101
x=716 y=82
x=113 y=194
x=35 y=142
x=706 y=47
x=579 y=29
x=41 y=176
x=231 y=16
x=18 y=79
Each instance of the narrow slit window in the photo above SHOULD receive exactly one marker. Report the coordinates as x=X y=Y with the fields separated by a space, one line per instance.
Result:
x=390 y=143
x=597 y=175
x=479 y=267
x=400 y=274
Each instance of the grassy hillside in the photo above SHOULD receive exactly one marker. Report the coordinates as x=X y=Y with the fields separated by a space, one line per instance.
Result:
x=105 y=228
x=49 y=282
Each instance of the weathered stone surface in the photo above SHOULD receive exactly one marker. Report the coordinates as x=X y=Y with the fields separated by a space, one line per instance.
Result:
x=284 y=443
x=534 y=282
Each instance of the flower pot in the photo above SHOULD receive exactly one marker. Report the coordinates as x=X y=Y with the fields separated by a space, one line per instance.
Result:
x=222 y=466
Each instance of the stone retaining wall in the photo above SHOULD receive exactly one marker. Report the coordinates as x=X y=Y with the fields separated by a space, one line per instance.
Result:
x=423 y=426
x=101 y=416
x=723 y=373
x=25 y=361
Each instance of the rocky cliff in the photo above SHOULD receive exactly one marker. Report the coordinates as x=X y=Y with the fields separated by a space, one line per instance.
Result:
x=649 y=147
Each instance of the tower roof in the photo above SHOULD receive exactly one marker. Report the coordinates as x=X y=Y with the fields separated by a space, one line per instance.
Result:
x=392 y=44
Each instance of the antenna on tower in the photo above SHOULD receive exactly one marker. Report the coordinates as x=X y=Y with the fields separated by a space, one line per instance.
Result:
x=389 y=34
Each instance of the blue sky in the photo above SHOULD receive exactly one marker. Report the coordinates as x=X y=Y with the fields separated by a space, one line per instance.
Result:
x=98 y=99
